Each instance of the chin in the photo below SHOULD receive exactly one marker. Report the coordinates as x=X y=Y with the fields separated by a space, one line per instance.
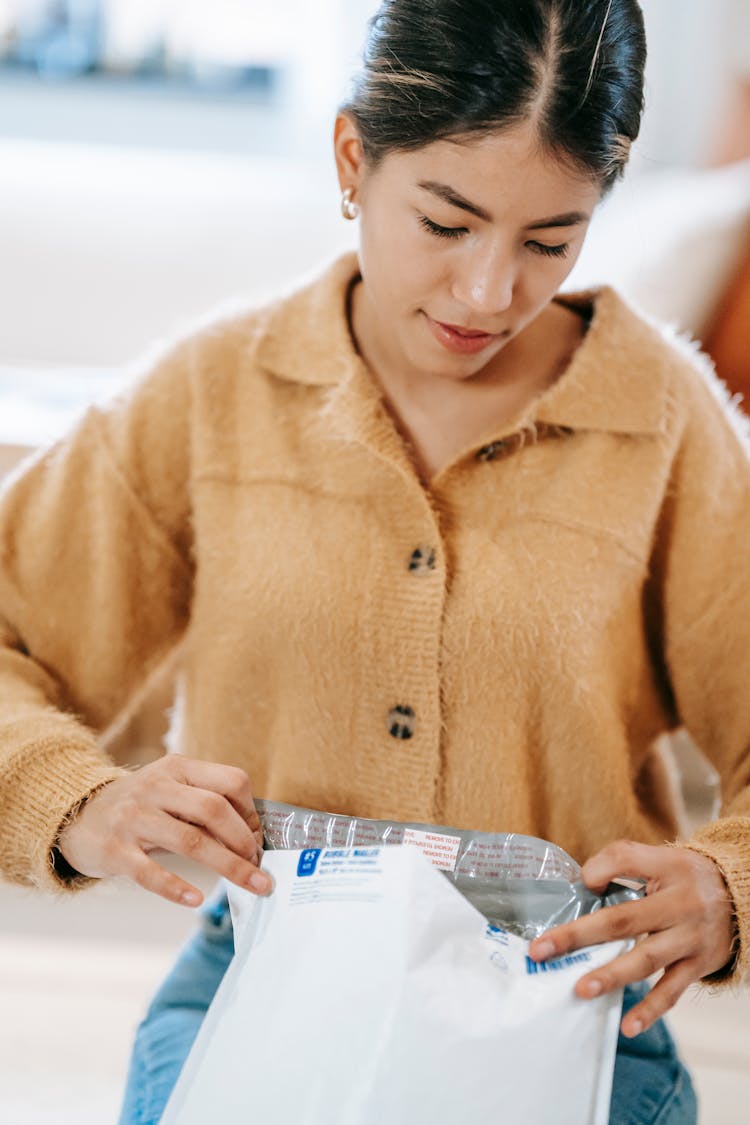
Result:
x=459 y=370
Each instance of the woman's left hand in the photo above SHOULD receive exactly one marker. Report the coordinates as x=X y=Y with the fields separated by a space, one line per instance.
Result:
x=686 y=915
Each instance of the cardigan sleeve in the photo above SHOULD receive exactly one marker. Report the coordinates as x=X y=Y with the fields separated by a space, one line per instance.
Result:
x=95 y=584
x=705 y=581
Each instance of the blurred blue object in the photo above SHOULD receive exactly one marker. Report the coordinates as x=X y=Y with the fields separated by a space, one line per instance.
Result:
x=61 y=38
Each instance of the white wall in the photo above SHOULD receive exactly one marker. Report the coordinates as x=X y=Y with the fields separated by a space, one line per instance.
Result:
x=690 y=45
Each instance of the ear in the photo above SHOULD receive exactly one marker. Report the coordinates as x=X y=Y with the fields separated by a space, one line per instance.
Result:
x=349 y=153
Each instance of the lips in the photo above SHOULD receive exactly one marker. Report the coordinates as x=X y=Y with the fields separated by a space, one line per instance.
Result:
x=459 y=340
x=469 y=333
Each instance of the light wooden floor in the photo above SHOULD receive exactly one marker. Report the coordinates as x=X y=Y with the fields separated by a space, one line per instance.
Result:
x=75 y=978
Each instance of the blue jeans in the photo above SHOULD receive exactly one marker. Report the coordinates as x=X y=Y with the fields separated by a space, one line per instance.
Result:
x=651 y=1086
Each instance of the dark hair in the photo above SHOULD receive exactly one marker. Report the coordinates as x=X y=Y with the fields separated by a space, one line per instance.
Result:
x=435 y=69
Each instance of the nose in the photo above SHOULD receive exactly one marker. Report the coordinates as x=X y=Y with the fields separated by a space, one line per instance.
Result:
x=485 y=281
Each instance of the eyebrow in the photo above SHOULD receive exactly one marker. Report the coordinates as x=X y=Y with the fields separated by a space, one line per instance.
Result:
x=449 y=195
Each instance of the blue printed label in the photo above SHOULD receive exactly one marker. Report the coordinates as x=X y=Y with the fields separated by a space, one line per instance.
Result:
x=534 y=967
x=308 y=861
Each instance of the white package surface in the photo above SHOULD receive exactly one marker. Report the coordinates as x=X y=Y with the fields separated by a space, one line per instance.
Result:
x=366 y=989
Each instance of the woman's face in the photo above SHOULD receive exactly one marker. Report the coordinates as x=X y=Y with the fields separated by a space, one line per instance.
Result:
x=462 y=245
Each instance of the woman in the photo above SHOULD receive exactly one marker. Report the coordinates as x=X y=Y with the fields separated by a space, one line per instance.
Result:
x=437 y=544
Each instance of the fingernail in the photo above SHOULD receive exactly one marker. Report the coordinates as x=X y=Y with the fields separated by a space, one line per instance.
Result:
x=259 y=882
x=191 y=898
x=593 y=987
x=635 y=1027
x=543 y=949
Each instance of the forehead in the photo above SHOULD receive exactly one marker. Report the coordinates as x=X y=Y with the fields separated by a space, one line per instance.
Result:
x=500 y=172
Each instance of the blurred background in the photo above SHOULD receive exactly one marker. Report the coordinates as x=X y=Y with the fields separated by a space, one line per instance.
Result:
x=161 y=157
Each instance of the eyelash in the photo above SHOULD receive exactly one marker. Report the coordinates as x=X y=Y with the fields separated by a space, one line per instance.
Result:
x=441 y=232
x=560 y=251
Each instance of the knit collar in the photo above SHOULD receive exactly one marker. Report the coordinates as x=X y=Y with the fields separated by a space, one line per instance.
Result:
x=306 y=336
x=616 y=381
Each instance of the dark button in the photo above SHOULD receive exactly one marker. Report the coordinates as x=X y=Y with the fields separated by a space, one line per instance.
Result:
x=490 y=452
x=401 y=721
x=423 y=560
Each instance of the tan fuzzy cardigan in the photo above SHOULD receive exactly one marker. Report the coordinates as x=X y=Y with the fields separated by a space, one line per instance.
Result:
x=500 y=651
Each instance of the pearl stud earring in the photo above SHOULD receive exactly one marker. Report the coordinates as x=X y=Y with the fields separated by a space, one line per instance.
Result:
x=349 y=209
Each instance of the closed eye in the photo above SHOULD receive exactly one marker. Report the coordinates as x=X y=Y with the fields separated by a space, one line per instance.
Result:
x=441 y=232
x=560 y=251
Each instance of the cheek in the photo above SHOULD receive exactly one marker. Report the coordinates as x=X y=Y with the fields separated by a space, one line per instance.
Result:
x=546 y=283
x=543 y=280
x=385 y=250
x=401 y=273
x=566 y=264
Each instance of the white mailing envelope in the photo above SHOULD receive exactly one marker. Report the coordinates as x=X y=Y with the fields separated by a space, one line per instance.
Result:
x=383 y=995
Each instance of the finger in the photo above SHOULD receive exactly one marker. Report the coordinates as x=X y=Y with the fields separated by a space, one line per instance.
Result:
x=611 y=923
x=648 y=957
x=212 y=811
x=230 y=781
x=626 y=859
x=663 y=996
x=155 y=878
x=190 y=840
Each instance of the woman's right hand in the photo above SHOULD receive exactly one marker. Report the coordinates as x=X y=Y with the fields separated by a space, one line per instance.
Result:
x=203 y=810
